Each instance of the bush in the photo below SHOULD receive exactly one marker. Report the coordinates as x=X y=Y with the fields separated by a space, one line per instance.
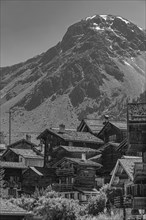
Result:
x=97 y=204
x=58 y=208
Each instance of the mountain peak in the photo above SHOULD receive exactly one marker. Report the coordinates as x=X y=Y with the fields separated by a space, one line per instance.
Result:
x=98 y=65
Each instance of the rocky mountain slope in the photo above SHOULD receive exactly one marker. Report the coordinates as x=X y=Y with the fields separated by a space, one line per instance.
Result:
x=97 y=67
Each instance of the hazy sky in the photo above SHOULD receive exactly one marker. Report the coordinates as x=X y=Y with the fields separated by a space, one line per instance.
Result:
x=30 y=27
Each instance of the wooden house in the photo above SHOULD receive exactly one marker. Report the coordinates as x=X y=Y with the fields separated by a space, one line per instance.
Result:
x=12 y=178
x=76 y=178
x=56 y=137
x=91 y=125
x=29 y=157
x=72 y=152
x=123 y=171
x=23 y=144
x=107 y=157
x=37 y=178
x=137 y=143
x=113 y=131
x=9 y=211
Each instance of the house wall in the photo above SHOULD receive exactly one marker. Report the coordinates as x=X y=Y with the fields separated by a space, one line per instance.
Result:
x=11 y=156
x=10 y=217
x=52 y=141
x=31 y=162
x=31 y=181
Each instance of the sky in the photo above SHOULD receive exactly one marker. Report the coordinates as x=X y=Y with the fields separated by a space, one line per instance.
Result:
x=30 y=27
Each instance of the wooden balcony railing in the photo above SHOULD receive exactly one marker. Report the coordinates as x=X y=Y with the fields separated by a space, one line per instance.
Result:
x=62 y=187
x=137 y=190
x=139 y=203
x=64 y=172
x=13 y=184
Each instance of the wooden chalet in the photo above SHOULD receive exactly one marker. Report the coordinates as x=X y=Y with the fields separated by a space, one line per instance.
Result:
x=107 y=156
x=76 y=178
x=12 y=178
x=72 y=152
x=17 y=158
x=136 y=115
x=91 y=125
x=9 y=211
x=113 y=131
x=122 y=173
x=29 y=157
x=56 y=137
x=37 y=178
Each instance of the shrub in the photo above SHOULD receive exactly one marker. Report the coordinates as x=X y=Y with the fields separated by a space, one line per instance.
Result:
x=97 y=204
x=58 y=208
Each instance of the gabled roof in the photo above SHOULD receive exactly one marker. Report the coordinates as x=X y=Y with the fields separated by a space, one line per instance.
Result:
x=96 y=157
x=21 y=141
x=78 y=161
x=42 y=171
x=121 y=125
x=123 y=145
x=127 y=163
x=115 y=145
x=16 y=165
x=78 y=149
x=72 y=135
x=7 y=208
x=94 y=125
x=26 y=153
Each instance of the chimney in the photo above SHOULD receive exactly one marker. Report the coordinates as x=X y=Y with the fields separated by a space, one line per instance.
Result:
x=28 y=137
x=61 y=128
x=83 y=156
x=106 y=119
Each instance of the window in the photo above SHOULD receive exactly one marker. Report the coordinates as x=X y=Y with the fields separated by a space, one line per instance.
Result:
x=11 y=178
x=72 y=195
x=12 y=192
x=112 y=137
x=139 y=154
x=66 y=195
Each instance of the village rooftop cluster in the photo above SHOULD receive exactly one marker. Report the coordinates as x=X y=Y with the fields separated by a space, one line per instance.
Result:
x=77 y=163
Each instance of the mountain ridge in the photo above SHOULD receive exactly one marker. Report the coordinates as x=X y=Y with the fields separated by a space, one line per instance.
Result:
x=97 y=68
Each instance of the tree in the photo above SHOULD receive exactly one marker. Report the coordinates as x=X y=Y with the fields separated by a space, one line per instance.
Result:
x=97 y=204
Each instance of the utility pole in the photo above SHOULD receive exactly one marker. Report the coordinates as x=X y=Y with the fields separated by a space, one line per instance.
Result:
x=10 y=113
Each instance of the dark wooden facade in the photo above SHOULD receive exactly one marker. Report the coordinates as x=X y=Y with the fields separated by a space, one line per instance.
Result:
x=108 y=159
x=136 y=116
x=136 y=119
x=72 y=152
x=56 y=137
x=37 y=178
x=12 y=178
x=74 y=176
x=28 y=157
x=113 y=131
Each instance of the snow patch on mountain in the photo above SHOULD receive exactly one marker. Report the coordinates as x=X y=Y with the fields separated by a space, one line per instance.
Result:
x=126 y=21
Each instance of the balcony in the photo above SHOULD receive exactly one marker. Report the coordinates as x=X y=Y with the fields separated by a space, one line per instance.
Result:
x=13 y=184
x=139 y=203
x=137 y=190
x=65 y=172
x=62 y=187
x=140 y=172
